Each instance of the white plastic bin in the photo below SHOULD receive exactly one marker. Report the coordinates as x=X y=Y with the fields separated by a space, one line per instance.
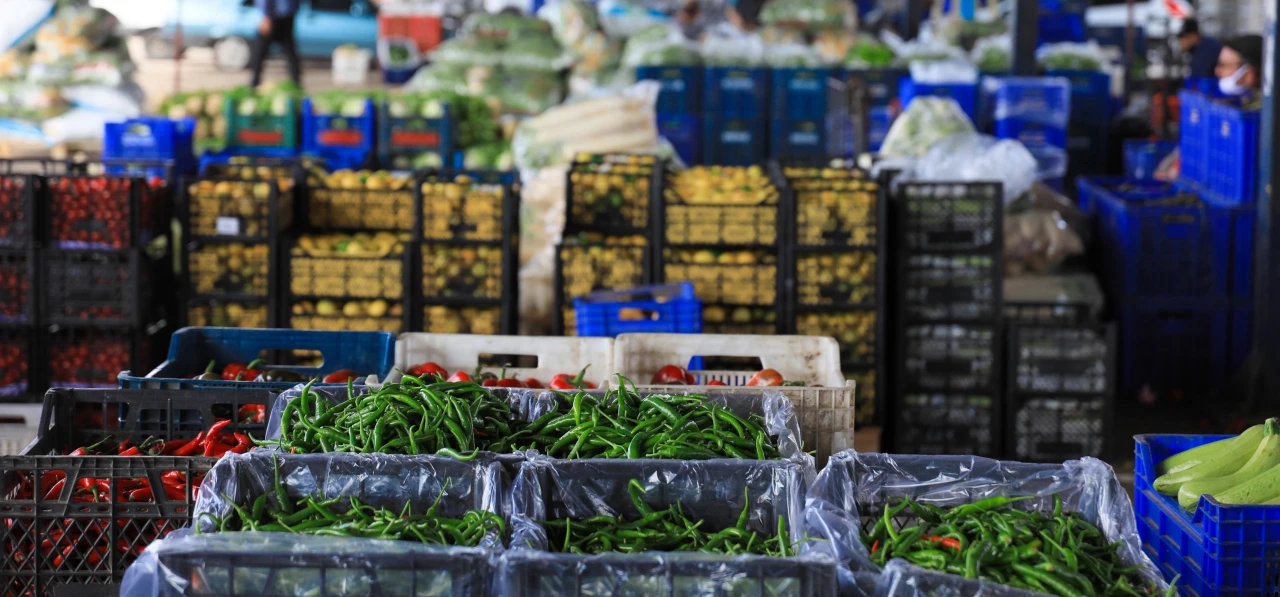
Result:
x=826 y=409
x=351 y=66
x=461 y=352
x=18 y=426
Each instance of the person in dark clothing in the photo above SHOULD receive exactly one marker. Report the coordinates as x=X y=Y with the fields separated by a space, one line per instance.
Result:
x=744 y=14
x=276 y=28
x=1203 y=50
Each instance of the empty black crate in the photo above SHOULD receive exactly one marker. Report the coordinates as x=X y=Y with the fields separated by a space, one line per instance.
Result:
x=95 y=541
x=18 y=286
x=940 y=217
x=99 y=287
x=612 y=193
x=946 y=423
x=951 y=357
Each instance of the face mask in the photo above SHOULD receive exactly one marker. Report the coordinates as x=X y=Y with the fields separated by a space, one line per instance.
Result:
x=1231 y=85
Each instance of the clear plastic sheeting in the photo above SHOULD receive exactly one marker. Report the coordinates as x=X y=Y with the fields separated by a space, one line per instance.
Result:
x=944 y=72
x=926 y=121
x=710 y=491
x=385 y=481
x=856 y=487
x=286 y=565
x=974 y=157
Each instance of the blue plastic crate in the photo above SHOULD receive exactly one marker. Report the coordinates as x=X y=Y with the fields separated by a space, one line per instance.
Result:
x=1091 y=187
x=683 y=132
x=1090 y=95
x=1173 y=345
x=881 y=85
x=1243 y=232
x=1205 y=86
x=798 y=139
x=1220 y=550
x=1142 y=158
x=1043 y=100
x=800 y=93
x=1035 y=135
x=1233 y=153
x=1060 y=28
x=733 y=141
x=965 y=94
x=737 y=92
x=666 y=309
x=1193 y=140
x=149 y=138
x=324 y=133
x=1155 y=247
x=1241 y=340
x=191 y=349
x=681 y=87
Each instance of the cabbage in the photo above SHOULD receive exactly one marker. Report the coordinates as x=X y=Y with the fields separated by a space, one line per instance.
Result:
x=433 y=109
x=354 y=107
x=248 y=106
x=281 y=105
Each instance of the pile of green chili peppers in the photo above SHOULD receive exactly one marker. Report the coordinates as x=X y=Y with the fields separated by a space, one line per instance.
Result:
x=350 y=517
x=621 y=424
x=1056 y=553
x=663 y=530
x=412 y=417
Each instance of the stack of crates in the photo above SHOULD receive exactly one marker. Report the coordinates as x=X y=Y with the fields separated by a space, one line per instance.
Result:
x=469 y=244
x=736 y=102
x=1142 y=158
x=1061 y=382
x=838 y=239
x=1092 y=109
x=800 y=112
x=19 y=339
x=150 y=140
x=233 y=219
x=721 y=227
x=341 y=141
x=874 y=93
x=1179 y=266
x=404 y=137
x=679 y=110
x=1035 y=111
x=610 y=215
x=949 y=282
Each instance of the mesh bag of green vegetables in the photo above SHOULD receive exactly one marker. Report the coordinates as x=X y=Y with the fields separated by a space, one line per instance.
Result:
x=973 y=526
x=662 y=528
x=1072 y=56
x=288 y=564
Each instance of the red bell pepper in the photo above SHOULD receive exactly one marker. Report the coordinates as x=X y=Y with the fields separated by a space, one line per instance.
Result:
x=340 y=376
x=767 y=377
x=429 y=368
x=252 y=413
x=249 y=373
x=563 y=381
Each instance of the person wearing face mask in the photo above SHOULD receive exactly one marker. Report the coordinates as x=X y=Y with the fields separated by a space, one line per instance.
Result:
x=1240 y=69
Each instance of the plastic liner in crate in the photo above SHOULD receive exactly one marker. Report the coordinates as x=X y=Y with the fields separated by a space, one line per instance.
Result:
x=1219 y=550
x=1233 y=150
x=851 y=495
x=681 y=87
x=736 y=91
x=348 y=200
x=951 y=287
x=18 y=351
x=713 y=492
x=749 y=278
x=18 y=210
x=612 y=193
x=103 y=212
x=722 y=206
x=244 y=209
x=100 y=287
x=93 y=541
x=673 y=308
x=262 y=131
x=950 y=217
x=402 y=136
x=586 y=265
x=1142 y=158
x=1173 y=346
x=18 y=284
x=323 y=133
x=1193 y=136
x=191 y=350
x=92 y=357
x=732 y=141
x=464 y=206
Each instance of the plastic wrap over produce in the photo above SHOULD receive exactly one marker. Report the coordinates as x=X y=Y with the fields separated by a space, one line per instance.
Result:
x=286 y=565
x=411 y=485
x=974 y=157
x=1073 y=56
x=855 y=484
x=926 y=121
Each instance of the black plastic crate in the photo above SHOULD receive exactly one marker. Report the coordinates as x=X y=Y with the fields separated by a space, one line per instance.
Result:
x=18 y=365
x=239 y=209
x=224 y=313
x=945 y=217
x=93 y=357
x=94 y=542
x=468 y=206
x=831 y=212
x=1048 y=313
x=100 y=287
x=592 y=262
x=332 y=290
x=1061 y=359
x=18 y=284
x=104 y=212
x=347 y=200
x=858 y=331
x=745 y=277
x=289 y=174
x=946 y=423
x=869 y=395
x=950 y=357
x=460 y=319
x=472 y=288
x=613 y=194
x=849 y=278
x=1057 y=428
x=18 y=215
x=951 y=286
x=228 y=268
x=696 y=214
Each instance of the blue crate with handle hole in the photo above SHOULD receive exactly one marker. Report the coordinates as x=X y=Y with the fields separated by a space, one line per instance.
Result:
x=661 y=309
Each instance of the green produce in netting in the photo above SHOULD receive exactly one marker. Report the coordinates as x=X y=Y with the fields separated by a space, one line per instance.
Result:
x=1057 y=552
x=505 y=26
x=663 y=530
x=807 y=14
x=869 y=54
x=1264 y=458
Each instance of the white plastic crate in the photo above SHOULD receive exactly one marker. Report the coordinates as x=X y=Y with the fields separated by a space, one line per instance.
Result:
x=461 y=352
x=18 y=426
x=826 y=410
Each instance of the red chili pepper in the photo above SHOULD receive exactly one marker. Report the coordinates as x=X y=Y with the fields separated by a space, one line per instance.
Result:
x=134 y=451
x=252 y=413
x=56 y=490
x=943 y=541
x=563 y=381
x=244 y=443
x=189 y=449
x=672 y=375
x=533 y=383
x=140 y=495
x=339 y=376
x=875 y=546
x=90 y=449
x=429 y=368
x=716 y=382
x=460 y=376
x=767 y=377
x=215 y=431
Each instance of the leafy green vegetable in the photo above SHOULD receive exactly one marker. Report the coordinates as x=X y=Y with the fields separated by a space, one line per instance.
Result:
x=869 y=54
